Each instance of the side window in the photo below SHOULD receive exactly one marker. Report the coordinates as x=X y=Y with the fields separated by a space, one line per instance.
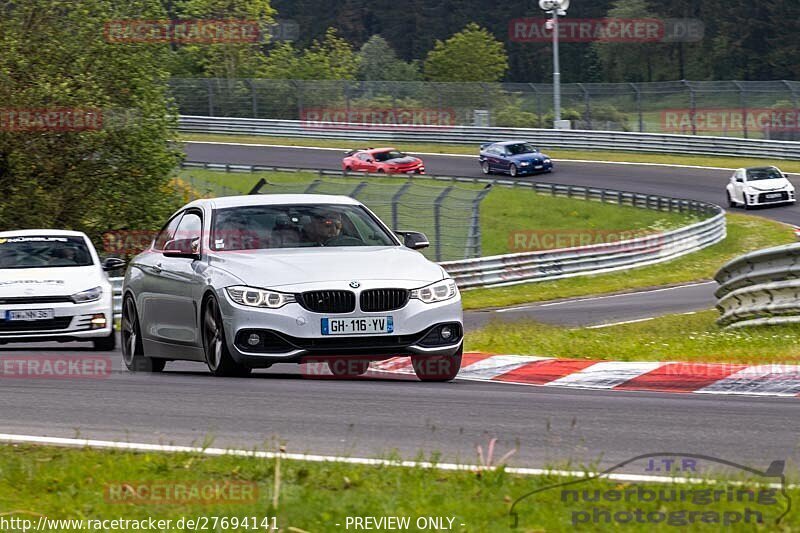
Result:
x=167 y=232
x=363 y=157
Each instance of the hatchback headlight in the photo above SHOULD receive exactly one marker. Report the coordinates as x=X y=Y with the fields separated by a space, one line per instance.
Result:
x=92 y=295
x=436 y=292
x=253 y=297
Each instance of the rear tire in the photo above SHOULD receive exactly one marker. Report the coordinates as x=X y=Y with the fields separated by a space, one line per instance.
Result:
x=348 y=169
x=437 y=368
x=215 y=346
x=344 y=367
x=512 y=170
x=105 y=344
x=132 y=349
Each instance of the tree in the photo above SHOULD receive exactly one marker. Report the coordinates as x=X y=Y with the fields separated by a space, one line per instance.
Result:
x=378 y=61
x=225 y=59
x=332 y=58
x=628 y=61
x=473 y=54
x=110 y=172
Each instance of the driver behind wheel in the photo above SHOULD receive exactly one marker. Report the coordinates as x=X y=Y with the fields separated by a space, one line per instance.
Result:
x=324 y=226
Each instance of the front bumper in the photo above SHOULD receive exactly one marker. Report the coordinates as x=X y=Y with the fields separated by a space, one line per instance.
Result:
x=293 y=332
x=534 y=169
x=758 y=198
x=71 y=322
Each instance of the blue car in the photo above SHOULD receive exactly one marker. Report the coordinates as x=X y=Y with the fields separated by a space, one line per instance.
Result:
x=516 y=158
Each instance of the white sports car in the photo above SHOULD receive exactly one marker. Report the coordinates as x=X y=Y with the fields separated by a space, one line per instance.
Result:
x=54 y=288
x=245 y=282
x=755 y=186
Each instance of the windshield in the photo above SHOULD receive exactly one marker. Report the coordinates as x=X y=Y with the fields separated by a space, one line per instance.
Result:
x=295 y=226
x=43 y=252
x=521 y=148
x=390 y=154
x=763 y=173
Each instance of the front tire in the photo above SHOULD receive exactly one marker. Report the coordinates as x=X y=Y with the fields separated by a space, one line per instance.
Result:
x=485 y=168
x=512 y=170
x=132 y=349
x=731 y=203
x=218 y=357
x=437 y=368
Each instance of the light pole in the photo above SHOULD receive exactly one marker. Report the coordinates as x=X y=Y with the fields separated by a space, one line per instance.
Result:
x=556 y=8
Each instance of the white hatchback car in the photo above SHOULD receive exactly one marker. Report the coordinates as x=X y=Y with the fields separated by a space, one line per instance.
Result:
x=247 y=281
x=54 y=288
x=756 y=186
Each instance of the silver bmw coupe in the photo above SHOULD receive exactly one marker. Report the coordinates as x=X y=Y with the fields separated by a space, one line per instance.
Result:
x=245 y=282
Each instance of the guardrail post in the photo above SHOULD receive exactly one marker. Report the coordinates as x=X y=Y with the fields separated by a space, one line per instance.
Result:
x=437 y=221
x=210 y=92
x=395 y=203
x=474 y=236
x=639 y=106
x=314 y=184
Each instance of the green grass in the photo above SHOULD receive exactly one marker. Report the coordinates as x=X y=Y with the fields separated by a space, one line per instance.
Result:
x=682 y=337
x=71 y=483
x=470 y=149
x=745 y=233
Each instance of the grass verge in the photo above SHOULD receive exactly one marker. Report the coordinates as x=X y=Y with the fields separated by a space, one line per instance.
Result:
x=745 y=233
x=470 y=149
x=682 y=337
x=92 y=485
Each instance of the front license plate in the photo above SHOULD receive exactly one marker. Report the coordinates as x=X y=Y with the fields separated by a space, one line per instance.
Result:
x=357 y=326
x=29 y=315
x=774 y=195
x=537 y=167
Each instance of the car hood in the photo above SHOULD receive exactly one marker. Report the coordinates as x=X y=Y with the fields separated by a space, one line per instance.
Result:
x=768 y=185
x=49 y=281
x=402 y=160
x=538 y=156
x=299 y=266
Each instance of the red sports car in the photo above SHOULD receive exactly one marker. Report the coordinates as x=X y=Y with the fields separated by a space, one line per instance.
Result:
x=381 y=161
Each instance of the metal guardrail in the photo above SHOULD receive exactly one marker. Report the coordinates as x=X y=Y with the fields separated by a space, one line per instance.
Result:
x=760 y=288
x=544 y=138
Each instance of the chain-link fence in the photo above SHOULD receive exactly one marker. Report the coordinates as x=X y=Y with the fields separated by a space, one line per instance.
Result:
x=727 y=108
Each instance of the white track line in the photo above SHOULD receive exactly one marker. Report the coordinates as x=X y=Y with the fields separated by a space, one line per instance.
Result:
x=142 y=447
x=459 y=155
x=610 y=324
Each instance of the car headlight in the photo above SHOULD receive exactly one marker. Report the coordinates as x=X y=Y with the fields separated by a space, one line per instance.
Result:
x=252 y=297
x=92 y=295
x=525 y=163
x=547 y=161
x=436 y=292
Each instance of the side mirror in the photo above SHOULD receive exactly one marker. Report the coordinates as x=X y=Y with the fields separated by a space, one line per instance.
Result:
x=414 y=239
x=113 y=263
x=186 y=248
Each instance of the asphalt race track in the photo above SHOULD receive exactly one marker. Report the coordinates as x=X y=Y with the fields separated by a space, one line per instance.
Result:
x=372 y=418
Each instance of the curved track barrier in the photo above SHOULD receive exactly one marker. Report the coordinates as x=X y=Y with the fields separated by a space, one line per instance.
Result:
x=760 y=288
x=544 y=138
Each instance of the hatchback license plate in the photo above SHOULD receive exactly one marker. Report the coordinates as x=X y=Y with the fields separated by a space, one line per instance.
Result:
x=29 y=315
x=774 y=195
x=357 y=326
